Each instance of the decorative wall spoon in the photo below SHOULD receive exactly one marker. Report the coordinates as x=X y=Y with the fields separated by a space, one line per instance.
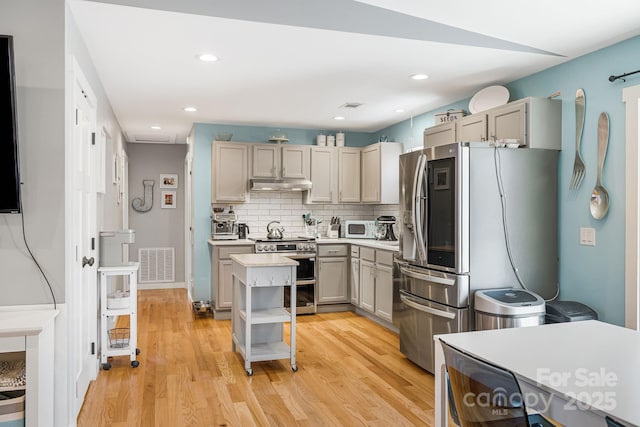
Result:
x=599 y=204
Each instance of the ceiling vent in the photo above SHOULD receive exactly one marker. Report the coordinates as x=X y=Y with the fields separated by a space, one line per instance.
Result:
x=351 y=105
x=155 y=138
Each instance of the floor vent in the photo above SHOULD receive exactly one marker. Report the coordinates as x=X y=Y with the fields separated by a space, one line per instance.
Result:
x=156 y=265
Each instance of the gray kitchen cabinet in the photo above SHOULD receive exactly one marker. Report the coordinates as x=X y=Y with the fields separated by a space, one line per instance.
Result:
x=280 y=161
x=376 y=282
x=534 y=122
x=443 y=134
x=333 y=274
x=384 y=292
x=229 y=171
x=354 y=278
x=222 y=277
x=472 y=128
x=324 y=168
x=348 y=175
x=380 y=173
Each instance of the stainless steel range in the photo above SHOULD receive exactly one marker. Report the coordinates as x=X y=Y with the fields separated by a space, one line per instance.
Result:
x=302 y=250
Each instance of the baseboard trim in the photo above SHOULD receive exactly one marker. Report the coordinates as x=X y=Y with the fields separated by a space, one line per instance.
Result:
x=172 y=285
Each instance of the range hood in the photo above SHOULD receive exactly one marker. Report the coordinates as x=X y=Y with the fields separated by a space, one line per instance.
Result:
x=279 y=184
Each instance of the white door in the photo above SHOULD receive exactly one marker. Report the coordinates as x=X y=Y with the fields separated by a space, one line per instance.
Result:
x=82 y=301
x=188 y=223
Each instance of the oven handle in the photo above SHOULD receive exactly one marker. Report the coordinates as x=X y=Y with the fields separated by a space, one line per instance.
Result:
x=412 y=273
x=425 y=309
x=310 y=257
x=305 y=282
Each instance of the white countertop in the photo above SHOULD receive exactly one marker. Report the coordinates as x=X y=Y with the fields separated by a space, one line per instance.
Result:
x=538 y=354
x=371 y=243
x=263 y=260
x=19 y=323
x=237 y=242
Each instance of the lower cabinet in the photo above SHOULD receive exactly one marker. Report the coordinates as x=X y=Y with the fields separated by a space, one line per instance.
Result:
x=222 y=275
x=376 y=282
x=333 y=274
x=354 y=278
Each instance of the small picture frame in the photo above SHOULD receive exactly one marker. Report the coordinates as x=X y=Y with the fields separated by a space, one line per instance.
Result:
x=168 y=180
x=168 y=200
x=441 y=178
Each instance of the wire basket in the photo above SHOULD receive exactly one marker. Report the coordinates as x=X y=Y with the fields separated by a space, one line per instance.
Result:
x=119 y=337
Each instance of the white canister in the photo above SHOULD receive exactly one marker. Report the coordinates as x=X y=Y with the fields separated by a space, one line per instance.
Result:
x=321 y=139
x=331 y=140
x=340 y=139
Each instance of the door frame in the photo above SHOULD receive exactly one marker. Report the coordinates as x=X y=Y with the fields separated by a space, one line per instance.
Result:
x=631 y=97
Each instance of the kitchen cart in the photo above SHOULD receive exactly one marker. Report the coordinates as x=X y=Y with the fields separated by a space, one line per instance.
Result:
x=118 y=299
x=258 y=313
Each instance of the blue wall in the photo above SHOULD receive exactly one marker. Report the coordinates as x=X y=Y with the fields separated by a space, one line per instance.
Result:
x=592 y=275
x=203 y=135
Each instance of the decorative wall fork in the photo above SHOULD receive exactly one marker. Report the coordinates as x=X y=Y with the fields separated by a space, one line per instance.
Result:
x=578 y=164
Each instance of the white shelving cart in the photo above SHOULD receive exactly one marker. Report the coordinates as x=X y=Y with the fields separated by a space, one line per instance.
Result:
x=118 y=298
x=258 y=314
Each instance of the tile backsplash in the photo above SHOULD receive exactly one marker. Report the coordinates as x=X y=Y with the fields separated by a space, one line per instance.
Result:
x=287 y=207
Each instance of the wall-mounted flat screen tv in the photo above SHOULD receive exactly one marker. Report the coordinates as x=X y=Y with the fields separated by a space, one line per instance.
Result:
x=9 y=160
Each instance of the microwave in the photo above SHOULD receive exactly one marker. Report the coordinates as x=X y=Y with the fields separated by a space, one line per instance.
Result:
x=360 y=229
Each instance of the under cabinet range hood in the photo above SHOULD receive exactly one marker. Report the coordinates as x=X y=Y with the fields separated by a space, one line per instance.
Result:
x=279 y=184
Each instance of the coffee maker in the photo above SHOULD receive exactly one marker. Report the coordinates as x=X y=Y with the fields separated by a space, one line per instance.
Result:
x=384 y=228
x=223 y=226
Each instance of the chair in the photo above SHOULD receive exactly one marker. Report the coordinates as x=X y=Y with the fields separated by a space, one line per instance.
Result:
x=485 y=395
x=613 y=423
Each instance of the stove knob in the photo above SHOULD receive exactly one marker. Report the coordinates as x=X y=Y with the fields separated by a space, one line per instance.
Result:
x=259 y=248
x=272 y=248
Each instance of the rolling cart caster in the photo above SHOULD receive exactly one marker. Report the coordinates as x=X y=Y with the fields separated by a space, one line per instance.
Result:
x=135 y=364
x=249 y=372
x=294 y=368
x=137 y=351
x=106 y=366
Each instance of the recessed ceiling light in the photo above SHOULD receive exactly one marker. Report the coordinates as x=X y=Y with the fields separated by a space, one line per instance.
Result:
x=155 y=127
x=419 y=76
x=207 y=57
x=190 y=109
x=338 y=118
x=399 y=110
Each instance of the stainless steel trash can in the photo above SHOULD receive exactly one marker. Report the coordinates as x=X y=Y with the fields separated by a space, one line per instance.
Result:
x=507 y=308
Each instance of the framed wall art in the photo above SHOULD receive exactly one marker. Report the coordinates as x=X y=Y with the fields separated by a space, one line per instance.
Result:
x=168 y=180
x=168 y=200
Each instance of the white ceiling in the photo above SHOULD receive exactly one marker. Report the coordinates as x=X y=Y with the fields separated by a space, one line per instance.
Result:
x=293 y=63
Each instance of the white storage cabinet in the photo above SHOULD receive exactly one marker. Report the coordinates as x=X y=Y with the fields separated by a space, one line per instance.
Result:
x=113 y=341
x=258 y=312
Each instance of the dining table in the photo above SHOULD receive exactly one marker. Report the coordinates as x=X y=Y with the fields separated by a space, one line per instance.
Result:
x=576 y=373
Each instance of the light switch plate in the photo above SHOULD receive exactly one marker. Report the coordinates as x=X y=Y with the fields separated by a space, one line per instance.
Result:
x=587 y=236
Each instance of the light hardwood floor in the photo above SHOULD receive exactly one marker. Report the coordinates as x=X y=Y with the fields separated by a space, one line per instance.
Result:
x=350 y=373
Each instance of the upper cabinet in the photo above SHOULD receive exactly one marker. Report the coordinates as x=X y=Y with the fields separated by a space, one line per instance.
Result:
x=280 y=161
x=348 y=175
x=534 y=122
x=324 y=177
x=472 y=128
x=440 y=135
x=229 y=170
x=380 y=173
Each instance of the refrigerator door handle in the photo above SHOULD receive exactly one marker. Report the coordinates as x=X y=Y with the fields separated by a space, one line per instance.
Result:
x=426 y=309
x=417 y=208
x=426 y=277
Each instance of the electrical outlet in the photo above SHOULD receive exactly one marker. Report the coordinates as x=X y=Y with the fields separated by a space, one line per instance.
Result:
x=587 y=236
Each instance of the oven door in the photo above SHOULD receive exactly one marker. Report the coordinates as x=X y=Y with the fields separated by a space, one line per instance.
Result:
x=305 y=284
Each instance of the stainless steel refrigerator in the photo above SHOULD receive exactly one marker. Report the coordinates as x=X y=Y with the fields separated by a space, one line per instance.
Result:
x=471 y=217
